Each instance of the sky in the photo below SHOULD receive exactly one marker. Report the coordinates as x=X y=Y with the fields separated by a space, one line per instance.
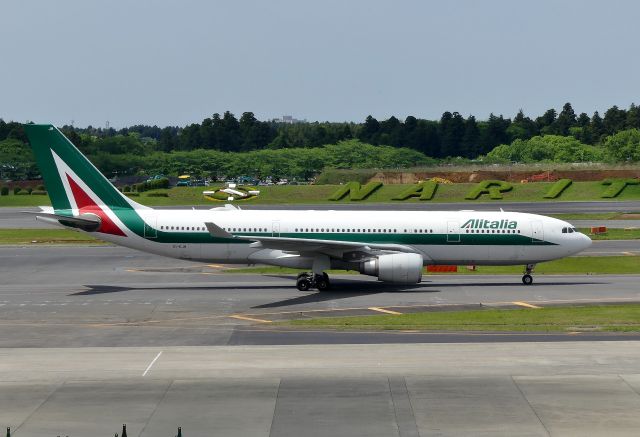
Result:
x=178 y=62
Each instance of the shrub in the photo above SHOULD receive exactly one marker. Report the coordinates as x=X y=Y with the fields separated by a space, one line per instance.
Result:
x=23 y=193
x=126 y=189
x=557 y=188
x=624 y=145
x=29 y=190
x=354 y=191
x=4 y=191
x=16 y=190
x=616 y=186
x=41 y=188
x=158 y=194
x=38 y=193
x=424 y=190
x=553 y=148
x=492 y=187
x=133 y=194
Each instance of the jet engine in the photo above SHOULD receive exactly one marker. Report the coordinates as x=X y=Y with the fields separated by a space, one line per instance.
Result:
x=399 y=268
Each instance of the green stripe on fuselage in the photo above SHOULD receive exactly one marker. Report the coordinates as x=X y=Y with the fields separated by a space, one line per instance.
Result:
x=407 y=239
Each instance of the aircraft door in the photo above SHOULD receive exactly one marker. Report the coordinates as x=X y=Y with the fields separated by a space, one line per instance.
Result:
x=150 y=227
x=453 y=232
x=275 y=228
x=537 y=232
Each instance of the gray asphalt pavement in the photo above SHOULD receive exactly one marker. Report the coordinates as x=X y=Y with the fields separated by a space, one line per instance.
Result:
x=93 y=337
x=496 y=389
x=109 y=296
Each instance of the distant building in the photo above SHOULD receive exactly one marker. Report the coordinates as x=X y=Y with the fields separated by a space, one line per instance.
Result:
x=288 y=119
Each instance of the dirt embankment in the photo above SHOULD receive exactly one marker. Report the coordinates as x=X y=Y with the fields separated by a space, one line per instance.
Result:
x=392 y=177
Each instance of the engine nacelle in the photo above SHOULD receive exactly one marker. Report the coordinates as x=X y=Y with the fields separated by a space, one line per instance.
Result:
x=400 y=268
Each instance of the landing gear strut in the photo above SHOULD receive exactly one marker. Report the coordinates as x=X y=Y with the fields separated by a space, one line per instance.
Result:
x=306 y=281
x=527 y=279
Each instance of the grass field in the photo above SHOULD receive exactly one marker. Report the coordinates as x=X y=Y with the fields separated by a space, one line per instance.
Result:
x=44 y=236
x=310 y=194
x=618 y=318
x=597 y=216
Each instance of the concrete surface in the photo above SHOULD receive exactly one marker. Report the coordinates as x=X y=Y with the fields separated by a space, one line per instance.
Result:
x=583 y=388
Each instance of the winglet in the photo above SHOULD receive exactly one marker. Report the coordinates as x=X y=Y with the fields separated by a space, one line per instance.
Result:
x=217 y=231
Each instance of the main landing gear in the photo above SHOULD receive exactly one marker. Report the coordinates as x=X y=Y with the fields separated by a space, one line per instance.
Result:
x=309 y=280
x=527 y=279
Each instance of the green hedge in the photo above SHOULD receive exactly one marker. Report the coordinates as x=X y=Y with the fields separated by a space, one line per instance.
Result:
x=355 y=191
x=493 y=188
x=38 y=193
x=4 y=191
x=557 y=188
x=158 y=195
x=424 y=191
x=616 y=186
x=151 y=185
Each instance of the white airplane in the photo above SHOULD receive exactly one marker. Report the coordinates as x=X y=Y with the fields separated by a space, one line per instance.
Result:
x=394 y=246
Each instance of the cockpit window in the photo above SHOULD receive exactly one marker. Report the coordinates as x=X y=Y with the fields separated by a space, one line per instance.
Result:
x=564 y=230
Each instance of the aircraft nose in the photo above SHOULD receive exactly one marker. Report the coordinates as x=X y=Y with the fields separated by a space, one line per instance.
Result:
x=585 y=242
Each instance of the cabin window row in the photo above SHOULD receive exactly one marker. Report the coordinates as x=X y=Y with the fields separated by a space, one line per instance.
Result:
x=182 y=228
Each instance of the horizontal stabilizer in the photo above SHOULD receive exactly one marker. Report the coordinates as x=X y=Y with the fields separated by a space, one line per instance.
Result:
x=85 y=222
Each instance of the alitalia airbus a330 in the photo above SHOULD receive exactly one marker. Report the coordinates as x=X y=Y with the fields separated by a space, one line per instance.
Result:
x=394 y=246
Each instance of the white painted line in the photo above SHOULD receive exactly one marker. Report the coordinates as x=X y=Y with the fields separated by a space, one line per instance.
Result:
x=152 y=363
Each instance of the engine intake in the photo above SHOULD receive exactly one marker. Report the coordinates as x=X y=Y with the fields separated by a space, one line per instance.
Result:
x=399 y=268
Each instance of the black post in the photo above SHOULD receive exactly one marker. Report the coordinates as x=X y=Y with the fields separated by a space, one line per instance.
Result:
x=8 y=432
x=179 y=432
x=124 y=430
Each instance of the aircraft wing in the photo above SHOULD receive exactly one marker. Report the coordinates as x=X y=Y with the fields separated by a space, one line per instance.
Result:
x=339 y=249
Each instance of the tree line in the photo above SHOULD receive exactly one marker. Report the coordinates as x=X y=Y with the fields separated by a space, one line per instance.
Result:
x=452 y=135
x=552 y=136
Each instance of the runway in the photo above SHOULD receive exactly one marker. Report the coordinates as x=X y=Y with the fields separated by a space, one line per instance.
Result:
x=93 y=337
x=109 y=296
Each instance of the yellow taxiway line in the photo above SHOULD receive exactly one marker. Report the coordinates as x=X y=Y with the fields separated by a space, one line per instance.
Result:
x=382 y=310
x=250 y=319
x=526 y=305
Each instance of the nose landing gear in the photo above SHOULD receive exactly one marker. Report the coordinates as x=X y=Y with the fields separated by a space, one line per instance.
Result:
x=527 y=279
x=306 y=281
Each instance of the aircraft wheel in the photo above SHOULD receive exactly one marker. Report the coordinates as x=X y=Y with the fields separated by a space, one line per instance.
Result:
x=322 y=282
x=527 y=279
x=303 y=284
